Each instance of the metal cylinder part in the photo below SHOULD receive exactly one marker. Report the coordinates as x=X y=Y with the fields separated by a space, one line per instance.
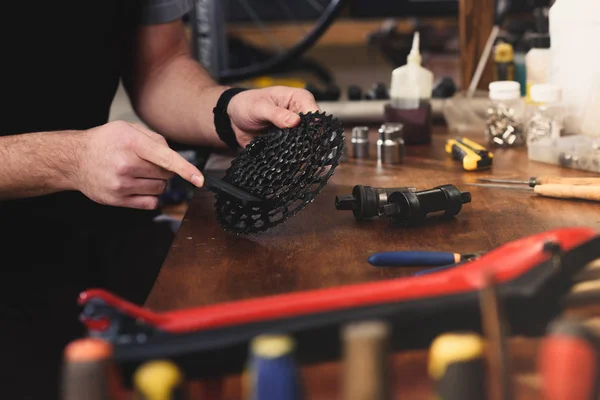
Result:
x=390 y=145
x=360 y=142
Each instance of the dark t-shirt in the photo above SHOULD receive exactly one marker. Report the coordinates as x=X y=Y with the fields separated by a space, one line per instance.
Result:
x=63 y=61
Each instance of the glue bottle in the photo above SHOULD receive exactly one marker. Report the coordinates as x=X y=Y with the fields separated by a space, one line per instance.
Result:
x=410 y=98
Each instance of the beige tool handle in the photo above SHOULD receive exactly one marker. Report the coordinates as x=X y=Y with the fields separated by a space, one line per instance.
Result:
x=548 y=180
x=569 y=191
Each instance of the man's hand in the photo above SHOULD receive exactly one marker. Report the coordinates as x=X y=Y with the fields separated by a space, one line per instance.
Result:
x=127 y=165
x=254 y=110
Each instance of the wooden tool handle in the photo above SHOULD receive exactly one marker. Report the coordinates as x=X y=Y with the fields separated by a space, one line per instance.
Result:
x=548 y=180
x=569 y=191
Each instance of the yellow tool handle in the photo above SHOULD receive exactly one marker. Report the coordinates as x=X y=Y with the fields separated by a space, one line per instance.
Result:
x=548 y=180
x=569 y=191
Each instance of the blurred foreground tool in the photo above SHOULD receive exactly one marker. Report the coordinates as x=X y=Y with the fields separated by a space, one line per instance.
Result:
x=456 y=365
x=405 y=207
x=88 y=371
x=495 y=328
x=473 y=156
x=366 y=369
x=272 y=373
x=533 y=274
x=557 y=191
x=418 y=258
x=547 y=180
x=568 y=362
x=159 y=380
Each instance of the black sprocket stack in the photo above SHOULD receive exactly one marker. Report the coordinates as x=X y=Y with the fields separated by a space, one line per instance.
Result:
x=286 y=167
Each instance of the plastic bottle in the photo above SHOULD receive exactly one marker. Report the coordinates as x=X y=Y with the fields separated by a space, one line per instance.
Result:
x=545 y=118
x=505 y=115
x=545 y=123
x=538 y=58
x=575 y=29
x=410 y=98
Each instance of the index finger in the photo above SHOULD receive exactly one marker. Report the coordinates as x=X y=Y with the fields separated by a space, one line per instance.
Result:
x=168 y=159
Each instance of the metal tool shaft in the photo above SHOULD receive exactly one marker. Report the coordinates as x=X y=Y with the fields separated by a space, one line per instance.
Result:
x=496 y=186
x=503 y=181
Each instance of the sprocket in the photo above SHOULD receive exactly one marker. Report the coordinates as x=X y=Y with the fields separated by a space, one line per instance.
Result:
x=286 y=167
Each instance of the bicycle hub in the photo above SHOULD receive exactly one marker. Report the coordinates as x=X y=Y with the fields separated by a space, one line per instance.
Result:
x=404 y=206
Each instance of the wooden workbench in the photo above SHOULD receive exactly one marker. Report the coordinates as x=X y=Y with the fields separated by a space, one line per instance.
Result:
x=322 y=247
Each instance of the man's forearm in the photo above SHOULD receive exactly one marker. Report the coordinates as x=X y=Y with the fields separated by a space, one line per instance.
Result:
x=178 y=100
x=169 y=90
x=36 y=164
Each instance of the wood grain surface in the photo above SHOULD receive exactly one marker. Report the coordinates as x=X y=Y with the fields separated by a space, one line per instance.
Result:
x=475 y=21
x=323 y=247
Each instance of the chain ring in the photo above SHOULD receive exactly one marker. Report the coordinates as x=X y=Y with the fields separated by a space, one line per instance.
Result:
x=287 y=167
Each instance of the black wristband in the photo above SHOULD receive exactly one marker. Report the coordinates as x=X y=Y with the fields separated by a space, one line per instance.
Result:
x=222 y=121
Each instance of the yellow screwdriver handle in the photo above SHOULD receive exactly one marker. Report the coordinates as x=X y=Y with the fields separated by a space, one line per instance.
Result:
x=548 y=180
x=569 y=191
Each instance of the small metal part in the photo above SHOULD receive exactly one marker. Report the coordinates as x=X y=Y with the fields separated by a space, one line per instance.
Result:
x=360 y=142
x=390 y=145
x=503 y=128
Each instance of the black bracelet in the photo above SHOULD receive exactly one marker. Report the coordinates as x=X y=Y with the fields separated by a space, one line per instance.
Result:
x=222 y=121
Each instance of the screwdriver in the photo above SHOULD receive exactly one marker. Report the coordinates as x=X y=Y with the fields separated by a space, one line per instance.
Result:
x=568 y=362
x=547 y=180
x=87 y=371
x=456 y=365
x=558 y=191
x=418 y=258
x=158 y=380
x=366 y=369
x=272 y=372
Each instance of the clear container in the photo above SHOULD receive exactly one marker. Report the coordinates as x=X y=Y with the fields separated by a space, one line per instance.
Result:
x=505 y=115
x=545 y=119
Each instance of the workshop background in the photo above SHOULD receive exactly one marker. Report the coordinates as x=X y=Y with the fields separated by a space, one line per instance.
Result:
x=332 y=47
x=467 y=206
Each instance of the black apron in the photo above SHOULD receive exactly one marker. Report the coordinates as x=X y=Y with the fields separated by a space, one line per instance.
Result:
x=62 y=63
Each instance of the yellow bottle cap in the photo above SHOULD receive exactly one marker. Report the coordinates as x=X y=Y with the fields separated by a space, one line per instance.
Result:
x=453 y=348
x=272 y=346
x=504 y=53
x=155 y=380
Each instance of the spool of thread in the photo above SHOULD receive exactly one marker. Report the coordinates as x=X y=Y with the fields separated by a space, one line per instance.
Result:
x=88 y=371
x=158 y=380
x=456 y=364
x=366 y=370
x=568 y=362
x=272 y=373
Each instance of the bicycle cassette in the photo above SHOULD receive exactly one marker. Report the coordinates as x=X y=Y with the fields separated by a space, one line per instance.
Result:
x=287 y=168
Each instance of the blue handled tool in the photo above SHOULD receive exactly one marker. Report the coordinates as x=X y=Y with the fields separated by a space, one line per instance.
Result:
x=418 y=258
